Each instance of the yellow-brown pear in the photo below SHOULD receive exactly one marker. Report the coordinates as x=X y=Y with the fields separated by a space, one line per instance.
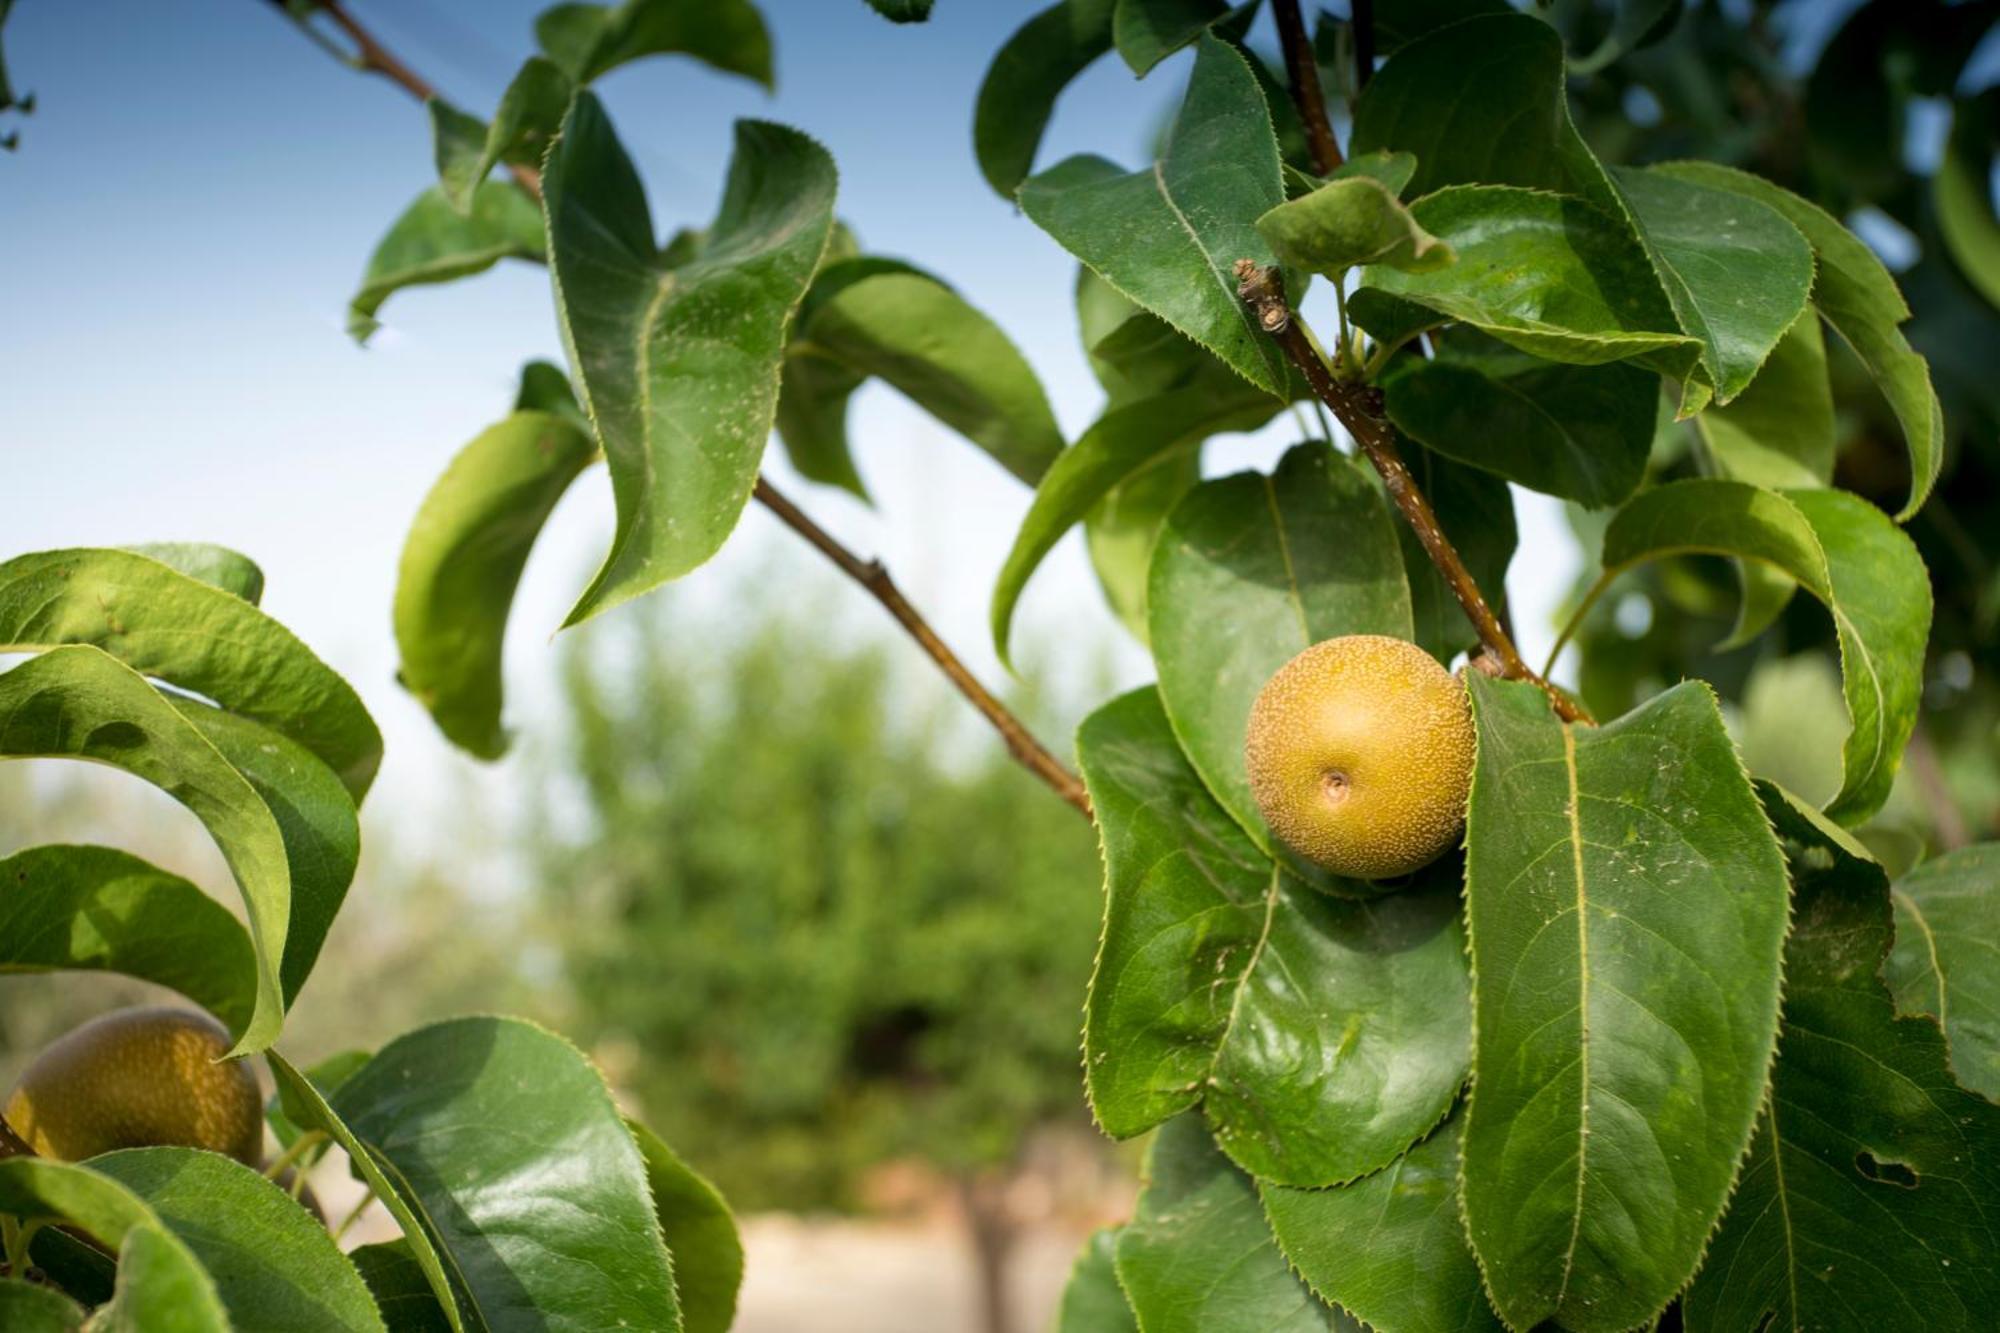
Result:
x=138 y=1078
x=1360 y=756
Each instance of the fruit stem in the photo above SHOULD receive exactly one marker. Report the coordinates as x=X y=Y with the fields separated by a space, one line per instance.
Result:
x=301 y=1145
x=373 y=57
x=1358 y=407
x=354 y=1214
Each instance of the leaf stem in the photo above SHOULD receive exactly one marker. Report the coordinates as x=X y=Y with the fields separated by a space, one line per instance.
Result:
x=303 y=1144
x=1303 y=69
x=1358 y=407
x=870 y=574
x=353 y=1215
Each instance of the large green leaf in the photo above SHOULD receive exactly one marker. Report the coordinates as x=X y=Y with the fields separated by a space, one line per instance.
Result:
x=1856 y=295
x=1092 y=1300
x=1286 y=560
x=1962 y=192
x=161 y=1288
x=503 y=1139
x=586 y=41
x=1946 y=962
x=1168 y=236
x=678 y=362
x=1148 y=31
x=79 y=702
x=433 y=242
x=1548 y=273
x=1843 y=551
x=1476 y=511
x=1867 y=1201
x=1626 y=909
x=1779 y=432
x=98 y=909
x=1122 y=443
x=530 y=112
x=1579 y=432
x=1198 y=1257
x=1028 y=73
x=273 y=1264
x=1347 y=222
x=1121 y=530
x=180 y=628
x=918 y=335
x=462 y=562
x=1389 y=1247
x=28 y=1308
x=700 y=1233
x=1320 y=1035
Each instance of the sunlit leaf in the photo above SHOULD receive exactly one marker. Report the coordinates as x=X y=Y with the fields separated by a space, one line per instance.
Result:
x=217 y=566
x=1780 y=431
x=1946 y=962
x=26 y=1307
x=1626 y=905
x=1347 y=222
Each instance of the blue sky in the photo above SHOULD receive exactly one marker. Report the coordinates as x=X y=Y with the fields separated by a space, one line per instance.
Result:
x=199 y=188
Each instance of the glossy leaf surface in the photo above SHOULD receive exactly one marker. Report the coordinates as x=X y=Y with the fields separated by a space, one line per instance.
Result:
x=1946 y=962
x=1320 y=1035
x=1626 y=904
x=678 y=362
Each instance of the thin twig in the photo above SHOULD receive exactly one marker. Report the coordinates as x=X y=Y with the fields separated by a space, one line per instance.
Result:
x=1304 y=70
x=1364 y=41
x=870 y=574
x=1358 y=407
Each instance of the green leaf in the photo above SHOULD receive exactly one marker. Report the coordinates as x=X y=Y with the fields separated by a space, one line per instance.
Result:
x=181 y=629
x=1626 y=909
x=28 y=1308
x=161 y=1288
x=1121 y=530
x=1548 y=273
x=102 y=910
x=1351 y=221
x=505 y=1141
x=1286 y=560
x=1962 y=193
x=273 y=1264
x=217 y=566
x=1168 y=237
x=530 y=113
x=1843 y=551
x=78 y=702
x=678 y=362
x=1092 y=1300
x=545 y=387
x=587 y=41
x=1855 y=294
x=1197 y=1256
x=432 y=242
x=1780 y=431
x=1579 y=432
x=1020 y=89
x=924 y=339
x=700 y=1233
x=1148 y=31
x=1867 y=1198
x=1735 y=270
x=462 y=562
x=1634 y=23
x=401 y=1291
x=1946 y=961
x=903 y=11
x=1389 y=1247
x=1393 y=170
x=308 y=1109
x=1320 y=1035
x=1476 y=511
x=812 y=419
x=1120 y=445
x=284 y=1112
x=1404 y=21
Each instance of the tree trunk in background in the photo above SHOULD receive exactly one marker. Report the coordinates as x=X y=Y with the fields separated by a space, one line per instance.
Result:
x=991 y=1229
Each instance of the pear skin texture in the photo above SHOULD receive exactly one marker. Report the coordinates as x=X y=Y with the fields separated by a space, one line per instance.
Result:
x=138 y=1078
x=1360 y=756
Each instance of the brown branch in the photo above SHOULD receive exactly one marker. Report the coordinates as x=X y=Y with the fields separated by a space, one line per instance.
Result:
x=870 y=574
x=1358 y=407
x=1303 y=68
x=1364 y=41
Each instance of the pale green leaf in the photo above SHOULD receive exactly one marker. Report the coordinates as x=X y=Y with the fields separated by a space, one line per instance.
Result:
x=1320 y=1035
x=1168 y=237
x=1028 y=73
x=217 y=566
x=432 y=242
x=1626 y=904
x=1284 y=561
x=1347 y=222
x=1121 y=530
x=1780 y=431
x=28 y=1308
x=1946 y=962
x=678 y=362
